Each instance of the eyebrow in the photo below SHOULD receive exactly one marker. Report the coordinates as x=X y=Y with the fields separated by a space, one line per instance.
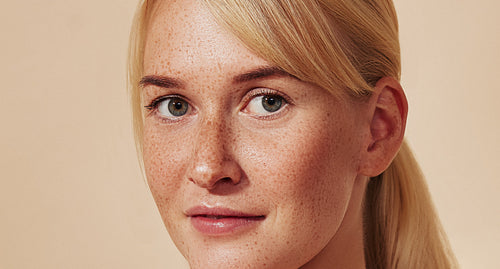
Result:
x=259 y=73
x=161 y=81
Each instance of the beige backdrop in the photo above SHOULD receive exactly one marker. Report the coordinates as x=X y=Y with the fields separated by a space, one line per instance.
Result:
x=71 y=193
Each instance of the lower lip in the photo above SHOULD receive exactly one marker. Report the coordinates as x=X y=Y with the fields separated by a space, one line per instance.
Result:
x=221 y=226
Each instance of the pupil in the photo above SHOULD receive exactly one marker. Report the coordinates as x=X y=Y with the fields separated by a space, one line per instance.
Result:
x=178 y=105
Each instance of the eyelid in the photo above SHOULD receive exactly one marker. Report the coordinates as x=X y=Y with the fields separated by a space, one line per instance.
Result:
x=155 y=102
x=265 y=91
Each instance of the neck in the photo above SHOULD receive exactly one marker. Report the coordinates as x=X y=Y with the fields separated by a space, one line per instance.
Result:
x=346 y=248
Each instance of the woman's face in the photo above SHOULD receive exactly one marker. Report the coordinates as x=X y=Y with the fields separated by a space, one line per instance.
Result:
x=248 y=165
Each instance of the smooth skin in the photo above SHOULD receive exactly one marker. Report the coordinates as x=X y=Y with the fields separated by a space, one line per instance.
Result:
x=303 y=165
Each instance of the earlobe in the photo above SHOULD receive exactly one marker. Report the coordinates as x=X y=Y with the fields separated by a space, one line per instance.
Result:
x=388 y=112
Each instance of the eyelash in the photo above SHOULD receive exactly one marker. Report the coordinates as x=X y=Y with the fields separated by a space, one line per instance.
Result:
x=156 y=102
x=265 y=91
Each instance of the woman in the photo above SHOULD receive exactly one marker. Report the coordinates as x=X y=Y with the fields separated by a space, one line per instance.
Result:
x=272 y=135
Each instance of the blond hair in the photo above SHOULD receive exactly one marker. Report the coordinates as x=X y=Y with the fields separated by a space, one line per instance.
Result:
x=343 y=46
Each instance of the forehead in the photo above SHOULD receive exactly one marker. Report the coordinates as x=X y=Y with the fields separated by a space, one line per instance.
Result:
x=183 y=36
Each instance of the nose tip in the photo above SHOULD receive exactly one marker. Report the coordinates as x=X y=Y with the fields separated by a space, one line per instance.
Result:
x=209 y=175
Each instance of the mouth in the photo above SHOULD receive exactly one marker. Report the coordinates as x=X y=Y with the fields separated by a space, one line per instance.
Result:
x=218 y=217
x=222 y=221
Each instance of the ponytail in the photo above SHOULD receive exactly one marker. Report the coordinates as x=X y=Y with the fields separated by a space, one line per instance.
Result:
x=402 y=229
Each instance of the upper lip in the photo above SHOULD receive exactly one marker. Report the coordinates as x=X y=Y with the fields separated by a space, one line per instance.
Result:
x=219 y=212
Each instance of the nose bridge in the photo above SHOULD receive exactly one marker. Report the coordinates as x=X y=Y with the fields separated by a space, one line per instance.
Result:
x=211 y=160
x=210 y=144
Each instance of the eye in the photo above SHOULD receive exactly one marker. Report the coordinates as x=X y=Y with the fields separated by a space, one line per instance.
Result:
x=170 y=107
x=265 y=104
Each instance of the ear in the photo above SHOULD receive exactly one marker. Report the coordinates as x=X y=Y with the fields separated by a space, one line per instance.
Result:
x=388 y=109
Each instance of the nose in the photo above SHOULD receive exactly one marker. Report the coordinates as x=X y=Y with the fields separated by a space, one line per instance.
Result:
x=212 y=163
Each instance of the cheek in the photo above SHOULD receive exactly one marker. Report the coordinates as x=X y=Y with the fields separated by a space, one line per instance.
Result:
x=308 y=172
x=163 y=163
x=306 y=155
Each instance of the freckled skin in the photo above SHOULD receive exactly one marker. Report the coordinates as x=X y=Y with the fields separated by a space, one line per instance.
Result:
x=299 y=169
